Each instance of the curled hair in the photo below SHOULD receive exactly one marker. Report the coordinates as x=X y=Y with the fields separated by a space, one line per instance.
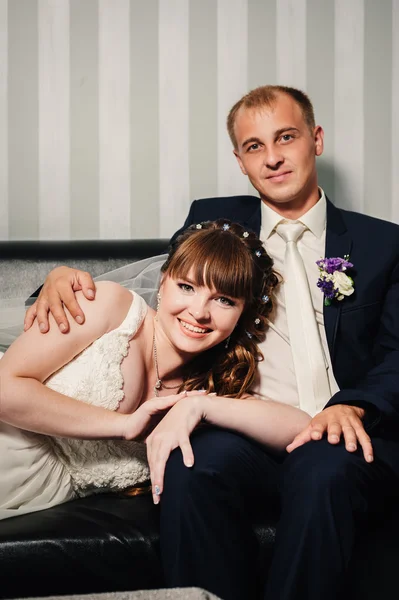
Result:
x=266 y=96
x=226 y=257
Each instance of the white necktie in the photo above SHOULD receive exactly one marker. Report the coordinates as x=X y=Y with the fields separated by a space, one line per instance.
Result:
x=306 y=347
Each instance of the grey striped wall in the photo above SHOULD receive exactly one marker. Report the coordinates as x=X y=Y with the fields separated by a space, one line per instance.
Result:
x=112 y=112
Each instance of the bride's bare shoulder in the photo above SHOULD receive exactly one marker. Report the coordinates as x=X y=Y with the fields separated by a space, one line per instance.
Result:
x=111 y=304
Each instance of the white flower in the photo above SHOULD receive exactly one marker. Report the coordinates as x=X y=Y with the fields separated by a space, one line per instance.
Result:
x=343 y=283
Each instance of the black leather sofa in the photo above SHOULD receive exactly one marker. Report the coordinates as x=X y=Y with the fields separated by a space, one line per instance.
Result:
x=111 y=542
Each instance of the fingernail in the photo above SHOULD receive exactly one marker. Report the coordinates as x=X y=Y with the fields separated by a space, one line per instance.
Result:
x=370 y=458
x=90 y=293
x=42 y=327
x=62 y=327
x=156 y=499
x=316 y=435
x=157 y=490
x=79 y=319
x=351 y=447
x=335 y=438
x=189 y=464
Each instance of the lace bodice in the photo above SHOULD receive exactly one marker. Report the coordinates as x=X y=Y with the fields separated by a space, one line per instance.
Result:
x=95 y=377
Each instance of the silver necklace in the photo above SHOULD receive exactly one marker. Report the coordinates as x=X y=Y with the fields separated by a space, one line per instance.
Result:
x=159 y=384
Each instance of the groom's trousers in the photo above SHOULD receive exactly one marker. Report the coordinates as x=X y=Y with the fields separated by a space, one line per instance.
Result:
x=321 y=493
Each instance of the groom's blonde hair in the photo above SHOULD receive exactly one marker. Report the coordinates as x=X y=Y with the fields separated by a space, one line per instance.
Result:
x=265 y=97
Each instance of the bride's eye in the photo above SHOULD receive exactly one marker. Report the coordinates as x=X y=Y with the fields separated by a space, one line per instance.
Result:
x=226 y=301
x=185 y=287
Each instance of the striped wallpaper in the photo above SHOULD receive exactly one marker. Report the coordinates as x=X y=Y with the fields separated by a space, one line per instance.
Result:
x=112 y=112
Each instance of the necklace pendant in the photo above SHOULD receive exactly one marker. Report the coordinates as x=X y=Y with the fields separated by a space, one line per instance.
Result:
x=158 y=385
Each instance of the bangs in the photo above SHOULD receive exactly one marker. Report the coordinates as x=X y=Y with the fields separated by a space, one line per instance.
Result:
x=221 y=262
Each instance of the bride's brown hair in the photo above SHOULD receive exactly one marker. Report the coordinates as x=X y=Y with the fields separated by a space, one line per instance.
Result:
x=231 y=260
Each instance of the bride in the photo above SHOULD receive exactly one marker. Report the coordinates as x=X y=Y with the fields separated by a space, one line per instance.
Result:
x=74 y=408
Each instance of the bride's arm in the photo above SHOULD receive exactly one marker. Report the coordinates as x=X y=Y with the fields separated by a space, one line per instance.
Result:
x=270 y=423
x=27 y=403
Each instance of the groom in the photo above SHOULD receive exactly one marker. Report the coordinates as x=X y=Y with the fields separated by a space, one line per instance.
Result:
x=333 y=342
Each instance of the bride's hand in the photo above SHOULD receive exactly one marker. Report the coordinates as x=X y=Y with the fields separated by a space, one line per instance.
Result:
x=174 y=430
x=139 y=424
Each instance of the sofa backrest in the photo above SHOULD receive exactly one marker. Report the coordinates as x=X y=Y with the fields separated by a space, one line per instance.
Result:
x=25 y=265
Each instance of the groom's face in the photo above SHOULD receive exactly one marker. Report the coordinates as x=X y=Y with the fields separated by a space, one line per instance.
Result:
x=277 y=150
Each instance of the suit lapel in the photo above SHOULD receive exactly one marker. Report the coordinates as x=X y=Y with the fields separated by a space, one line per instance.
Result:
x=338 y=243
x=253 y=222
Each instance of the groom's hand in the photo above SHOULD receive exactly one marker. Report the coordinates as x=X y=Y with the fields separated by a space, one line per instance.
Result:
x=336 y=421
x=58 y=291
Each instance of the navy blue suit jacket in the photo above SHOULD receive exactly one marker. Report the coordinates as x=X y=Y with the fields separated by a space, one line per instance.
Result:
x=363 y=329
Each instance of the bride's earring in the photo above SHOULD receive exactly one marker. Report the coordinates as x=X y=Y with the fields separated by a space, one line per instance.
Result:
x=227 y=342
x=158 y=301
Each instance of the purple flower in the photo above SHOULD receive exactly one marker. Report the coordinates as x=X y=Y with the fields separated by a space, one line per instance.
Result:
x=330 y=265
x=327 y=287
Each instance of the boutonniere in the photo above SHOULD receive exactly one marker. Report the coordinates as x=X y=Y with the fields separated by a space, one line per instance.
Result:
x=333 y=281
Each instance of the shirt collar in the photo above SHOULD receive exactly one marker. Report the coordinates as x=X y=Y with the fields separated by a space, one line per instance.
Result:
x=315 y=219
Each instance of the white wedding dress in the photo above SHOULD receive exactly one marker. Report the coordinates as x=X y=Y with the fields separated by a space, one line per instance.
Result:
x=37 y=471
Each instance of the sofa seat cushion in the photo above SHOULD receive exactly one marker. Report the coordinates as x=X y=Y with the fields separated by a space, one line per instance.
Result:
x=102 y=543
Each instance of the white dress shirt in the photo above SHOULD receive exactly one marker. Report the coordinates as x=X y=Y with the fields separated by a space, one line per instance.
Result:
x=276 y=375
